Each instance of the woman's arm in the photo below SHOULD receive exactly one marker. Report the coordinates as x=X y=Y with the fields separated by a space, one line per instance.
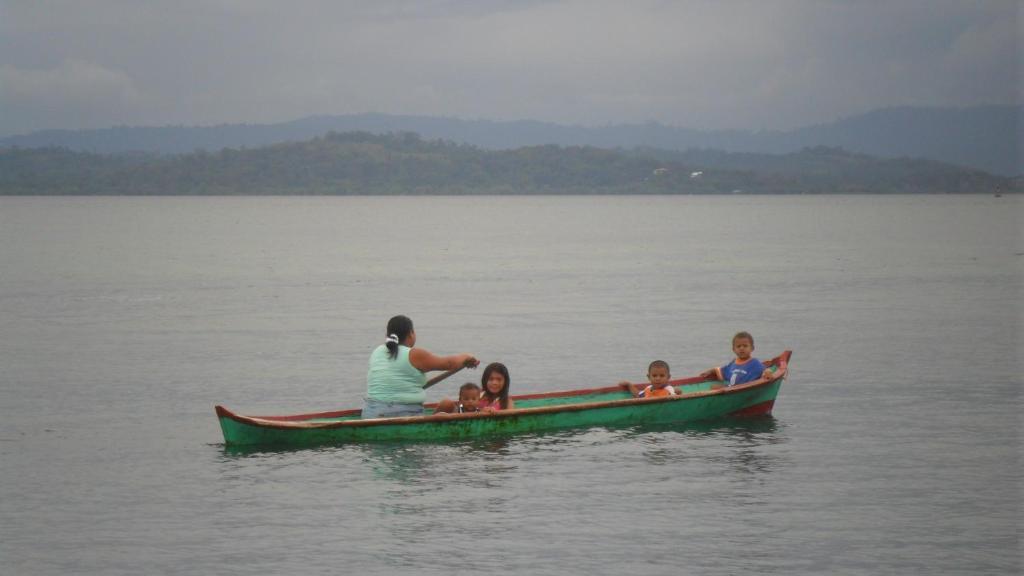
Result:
x=425 y=361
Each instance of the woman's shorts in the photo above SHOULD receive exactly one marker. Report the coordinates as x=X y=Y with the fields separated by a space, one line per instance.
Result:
x=377 y=409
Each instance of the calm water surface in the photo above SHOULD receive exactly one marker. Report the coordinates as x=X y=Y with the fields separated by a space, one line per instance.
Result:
x=894 y=447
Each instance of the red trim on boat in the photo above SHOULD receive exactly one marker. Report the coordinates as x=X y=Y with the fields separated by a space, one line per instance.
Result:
x=762 y=409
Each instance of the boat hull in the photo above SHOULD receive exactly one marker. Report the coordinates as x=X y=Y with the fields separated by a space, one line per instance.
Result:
x=574 y=409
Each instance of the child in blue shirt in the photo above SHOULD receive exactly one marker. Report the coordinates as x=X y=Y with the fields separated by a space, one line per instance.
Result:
x=745 y=368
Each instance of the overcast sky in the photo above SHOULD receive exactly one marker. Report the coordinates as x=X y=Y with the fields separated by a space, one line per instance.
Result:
x=755 y=64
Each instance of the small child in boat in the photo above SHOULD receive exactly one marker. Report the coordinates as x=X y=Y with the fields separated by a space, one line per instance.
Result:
x=658 y=375
x=496 y=382
x=469 y=400
x=743 y=369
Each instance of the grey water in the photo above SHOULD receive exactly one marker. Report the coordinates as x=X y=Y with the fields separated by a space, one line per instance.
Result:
x=894 y=447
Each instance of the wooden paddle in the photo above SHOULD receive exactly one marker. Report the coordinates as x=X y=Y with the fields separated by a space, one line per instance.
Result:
x=440 y=377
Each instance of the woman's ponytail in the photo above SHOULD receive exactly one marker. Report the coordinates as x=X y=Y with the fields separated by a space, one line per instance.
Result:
x=399 y=327
x=392 y=344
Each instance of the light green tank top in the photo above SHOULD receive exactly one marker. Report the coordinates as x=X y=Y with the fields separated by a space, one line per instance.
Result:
x=394 y=380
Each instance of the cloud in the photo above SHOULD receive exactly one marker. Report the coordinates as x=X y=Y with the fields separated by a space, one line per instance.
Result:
x=73 y=79
x=700 y=63
x=66 y=95
x=983 y=51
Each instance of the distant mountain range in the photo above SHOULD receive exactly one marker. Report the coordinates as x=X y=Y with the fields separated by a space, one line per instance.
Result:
x=984 y=137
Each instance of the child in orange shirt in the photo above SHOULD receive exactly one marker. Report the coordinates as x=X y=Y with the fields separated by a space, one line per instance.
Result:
x=658 y=375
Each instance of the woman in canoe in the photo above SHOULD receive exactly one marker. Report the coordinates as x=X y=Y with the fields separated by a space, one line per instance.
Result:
x=394 y=382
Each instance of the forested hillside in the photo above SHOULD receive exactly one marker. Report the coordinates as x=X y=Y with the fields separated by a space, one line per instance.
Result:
x=364 y=163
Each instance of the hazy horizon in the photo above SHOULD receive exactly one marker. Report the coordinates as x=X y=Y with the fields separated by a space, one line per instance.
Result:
x=779 y=65
x=496 y=121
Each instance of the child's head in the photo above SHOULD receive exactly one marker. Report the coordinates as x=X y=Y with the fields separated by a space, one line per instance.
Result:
x=496 y=381
x=742 y=345
x=469 y=396
x=658 y=373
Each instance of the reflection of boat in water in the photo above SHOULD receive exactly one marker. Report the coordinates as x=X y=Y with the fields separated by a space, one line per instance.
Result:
x=609 y=406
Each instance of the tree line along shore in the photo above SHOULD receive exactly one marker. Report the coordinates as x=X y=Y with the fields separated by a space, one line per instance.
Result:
x=361 y=163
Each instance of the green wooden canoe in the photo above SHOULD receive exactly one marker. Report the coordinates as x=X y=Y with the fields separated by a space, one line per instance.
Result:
x=609 y=406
